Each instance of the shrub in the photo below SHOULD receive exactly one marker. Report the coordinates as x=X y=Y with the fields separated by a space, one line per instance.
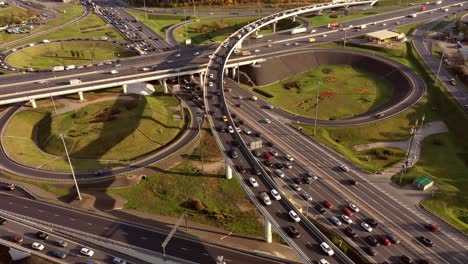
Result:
x=262 y=92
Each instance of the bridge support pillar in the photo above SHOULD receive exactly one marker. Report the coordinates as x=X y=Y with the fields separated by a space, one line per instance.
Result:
x=239 y=44
x=164 y=84
x=202 y=78
x=294 y=18
x=80 y=94
x=226 y=71
x=228 y=171
x=268 y=235
x=274 y=27
x=33 y=103
x=234 y=72
x=125 y=91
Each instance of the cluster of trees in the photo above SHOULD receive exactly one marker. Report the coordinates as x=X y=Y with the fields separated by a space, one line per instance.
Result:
x=222 y=3
x=16 y=17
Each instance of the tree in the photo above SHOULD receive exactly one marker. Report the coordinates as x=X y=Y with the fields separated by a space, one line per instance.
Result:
x=458 y=26
x=77 y=53
x=72 y=52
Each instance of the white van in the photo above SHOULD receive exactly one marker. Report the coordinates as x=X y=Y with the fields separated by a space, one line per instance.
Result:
x=114 y=72
x=254 y=98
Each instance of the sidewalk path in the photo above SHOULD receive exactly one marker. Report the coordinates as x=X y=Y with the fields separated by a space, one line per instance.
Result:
x=407 y=196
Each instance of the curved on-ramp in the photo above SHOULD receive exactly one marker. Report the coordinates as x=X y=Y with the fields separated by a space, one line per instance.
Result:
x=189 y=133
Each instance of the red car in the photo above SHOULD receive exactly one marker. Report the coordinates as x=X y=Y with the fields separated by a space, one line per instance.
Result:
x=432 y=227
x=347 y=212
x=386 y=241
x=268 y=155
x=327 y=204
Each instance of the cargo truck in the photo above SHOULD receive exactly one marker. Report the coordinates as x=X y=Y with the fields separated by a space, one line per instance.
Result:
x=311 y=40
x=298 y=30
x=58 y=68
x=75 y=81
x=333 y=24
x=70 y=67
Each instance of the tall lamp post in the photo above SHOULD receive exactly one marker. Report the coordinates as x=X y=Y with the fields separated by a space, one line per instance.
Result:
x=62 y=137
x=51 y=97
x=316 y=107
x=200 y=120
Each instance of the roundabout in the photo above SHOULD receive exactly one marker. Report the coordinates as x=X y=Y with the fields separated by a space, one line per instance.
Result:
x=408 y=88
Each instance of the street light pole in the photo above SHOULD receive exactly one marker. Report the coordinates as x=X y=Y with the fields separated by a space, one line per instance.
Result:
x=51 y=97
x=71 y=166
x=344 y=42
x=316 y=108
x=200 y=120
x=144 y=6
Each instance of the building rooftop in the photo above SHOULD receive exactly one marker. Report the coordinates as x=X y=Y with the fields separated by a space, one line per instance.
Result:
x=383 y=34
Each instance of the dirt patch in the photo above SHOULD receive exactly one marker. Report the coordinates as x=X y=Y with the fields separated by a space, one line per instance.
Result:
x=361 y=90
x=329 y=79
x=327 y=71
x=106 y=115
x=292 y=85
x=327 y=94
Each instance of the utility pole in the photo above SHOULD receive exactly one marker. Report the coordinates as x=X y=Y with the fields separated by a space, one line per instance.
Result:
x=51 y=97
x=316 y=108
x=406 y=163
x=193 y=1
x=344 y=42
x=200 y=120
x=71 y=166
x=440 y=63
x=144 y=6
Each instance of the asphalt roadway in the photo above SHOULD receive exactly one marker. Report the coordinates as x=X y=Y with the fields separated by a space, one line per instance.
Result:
x=183 y=246
x=191 y=131
x=334 y=185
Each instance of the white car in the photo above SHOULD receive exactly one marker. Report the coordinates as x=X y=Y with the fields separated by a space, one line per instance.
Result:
x=313 y=31
x=196 y=53
x=366 y=227
x=230 y=130
x=327 y=249
x=294 y=216
x=211 y=76
x=177 y=55
x=145 y=69
x=257 y=50
x=275 y=194
x=37 y=246
x=335 y=220
x=323 y=261
x=307 y=197
x=279 y=173
x=118 y=260
x=210 y=84
x=288 y=165
x=344 y=168
x=247 y=131
x=40 y=81
x=289 y=157
x=296 y=187
x=266 y=120
x=353 y=207
x=346 y=219
x=87 y=252
x=324 y=35
x=253 y=182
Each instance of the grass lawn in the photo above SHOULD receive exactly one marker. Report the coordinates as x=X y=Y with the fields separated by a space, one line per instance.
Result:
x=67 y=14
x=90 y=27
x=108 y=132
x=173 y=192
x=445 y=162
x=344 y=91
x=158 y=23
x=209 y=31
x=65 y=53
x=327 y=17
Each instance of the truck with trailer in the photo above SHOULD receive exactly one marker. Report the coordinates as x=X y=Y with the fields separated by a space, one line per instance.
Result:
x=58 y=68
x=298 y=30
x=75 y=81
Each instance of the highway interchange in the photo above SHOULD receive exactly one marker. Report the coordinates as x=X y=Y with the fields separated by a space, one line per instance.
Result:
x=332 y=183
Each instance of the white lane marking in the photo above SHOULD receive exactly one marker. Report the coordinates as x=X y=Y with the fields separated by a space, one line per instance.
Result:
x=10 y=203
x=56 y=215
x=124 y=233
x=72 y=219
x=40 y=211
x=90 y=224
x=144 y=238
x=25 y=206
x=183 y=248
